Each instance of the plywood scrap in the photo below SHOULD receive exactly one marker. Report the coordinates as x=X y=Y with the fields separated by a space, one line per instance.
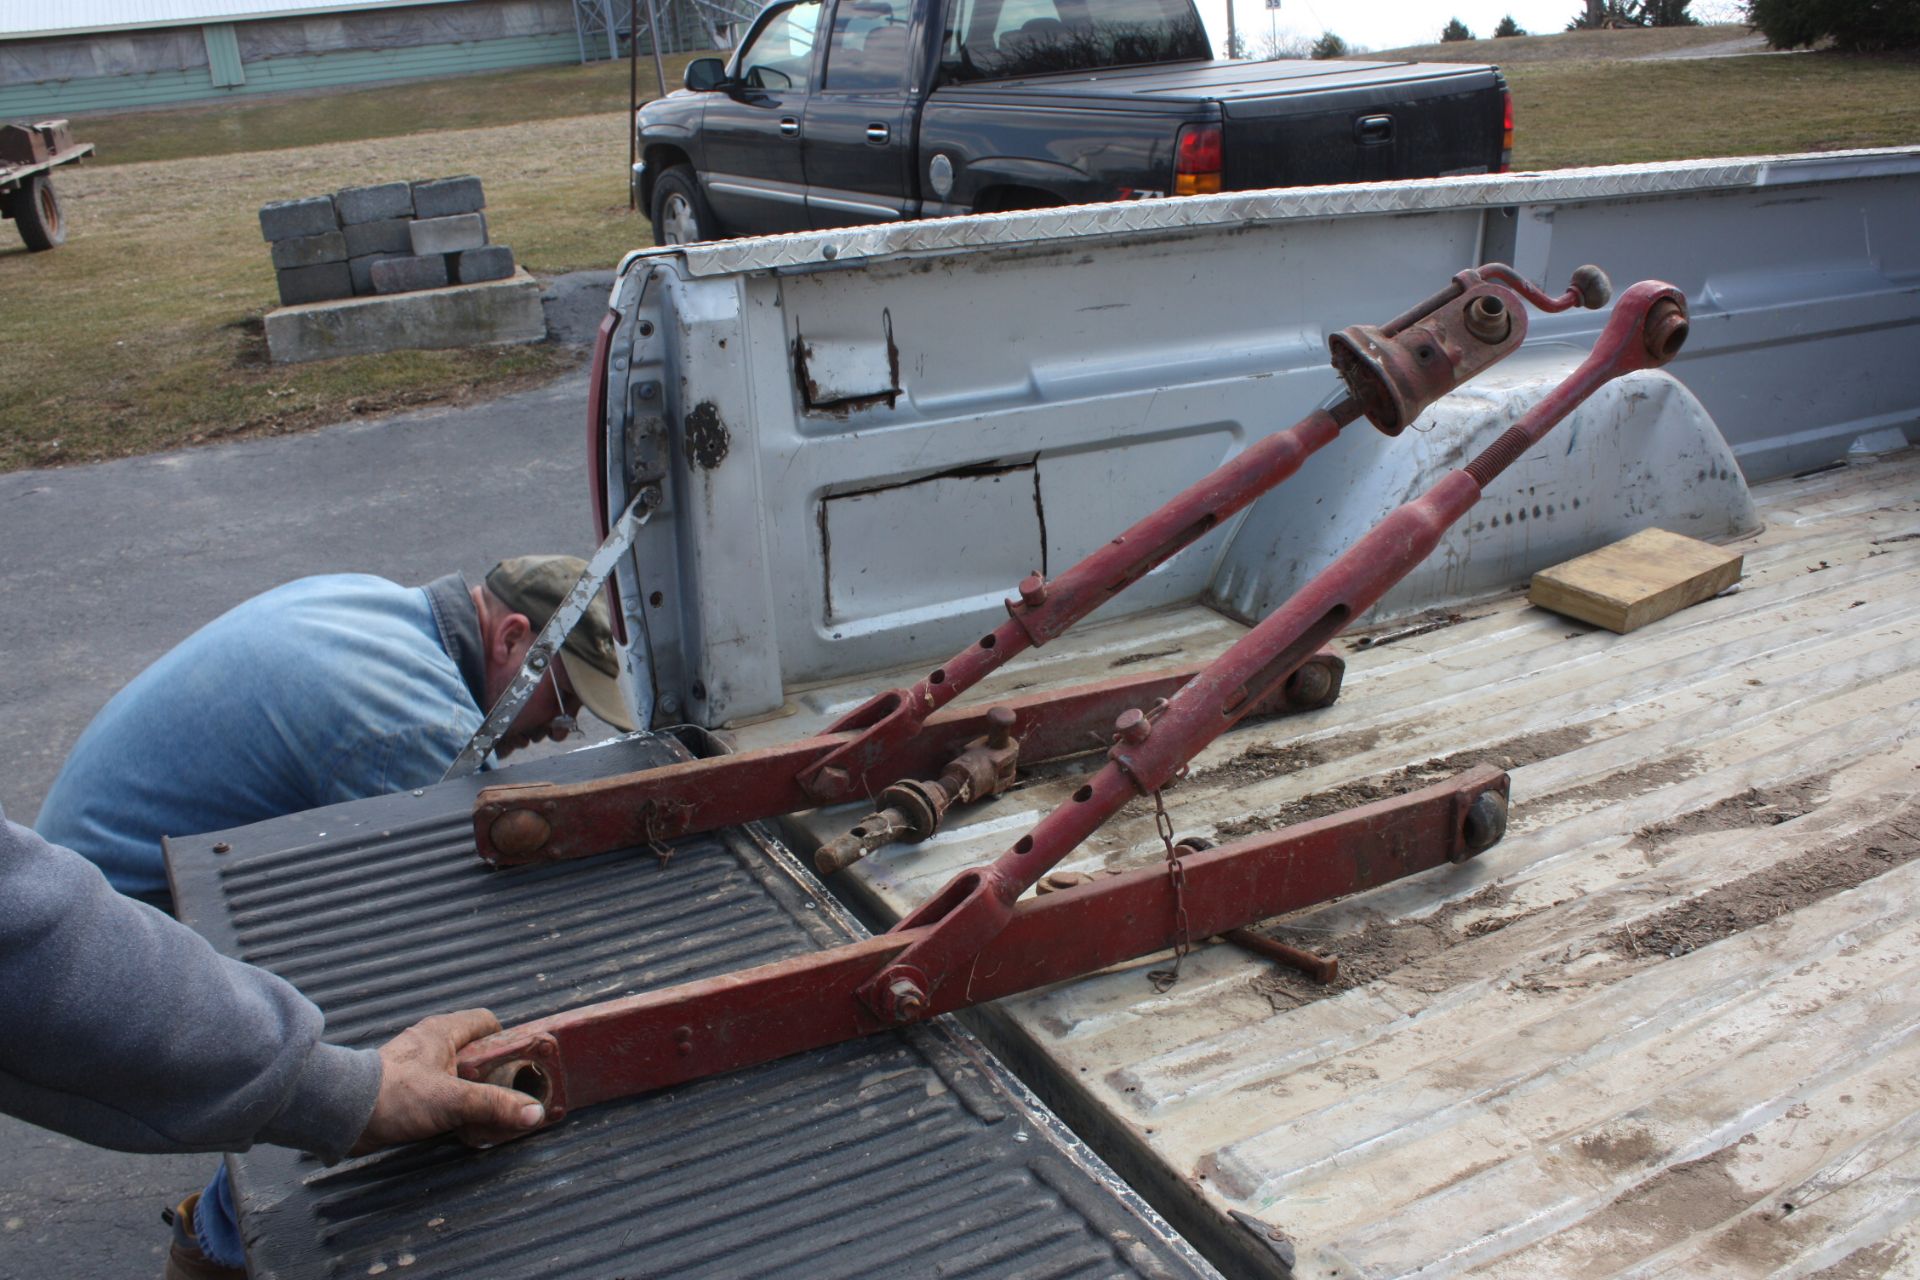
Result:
x=1637 y=580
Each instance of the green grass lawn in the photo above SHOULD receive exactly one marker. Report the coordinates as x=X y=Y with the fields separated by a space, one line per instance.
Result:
x=143 y=332
x=461 y=102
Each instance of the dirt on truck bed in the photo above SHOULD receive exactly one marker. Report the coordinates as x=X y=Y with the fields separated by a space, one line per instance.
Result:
x=1666 y=1027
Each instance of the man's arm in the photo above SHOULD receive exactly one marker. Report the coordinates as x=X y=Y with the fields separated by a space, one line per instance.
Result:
x=122 y=1027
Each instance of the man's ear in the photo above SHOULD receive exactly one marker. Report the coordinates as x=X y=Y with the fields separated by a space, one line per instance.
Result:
x=514 y=632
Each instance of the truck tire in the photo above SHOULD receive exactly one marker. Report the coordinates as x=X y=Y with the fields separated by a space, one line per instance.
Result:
x=680 y=212
x=36 y=211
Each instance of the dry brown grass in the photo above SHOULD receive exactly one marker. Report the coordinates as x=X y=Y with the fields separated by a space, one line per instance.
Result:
x=143 y=331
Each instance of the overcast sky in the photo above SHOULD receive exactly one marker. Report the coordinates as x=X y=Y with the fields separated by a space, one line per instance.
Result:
x=1388 y=24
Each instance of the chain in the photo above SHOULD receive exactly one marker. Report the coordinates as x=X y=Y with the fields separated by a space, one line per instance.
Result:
x=1163 y=979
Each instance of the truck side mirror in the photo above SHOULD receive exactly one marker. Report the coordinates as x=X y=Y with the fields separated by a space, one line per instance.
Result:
x=704 y=74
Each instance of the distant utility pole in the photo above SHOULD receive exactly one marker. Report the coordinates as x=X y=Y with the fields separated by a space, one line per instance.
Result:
x=1233 y=39
x=633 y=101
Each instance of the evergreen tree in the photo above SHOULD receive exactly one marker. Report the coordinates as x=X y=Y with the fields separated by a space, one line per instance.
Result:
x=1601 y=14
x=1456 y=30
x=1328 y=46
x=1668 y=13
x=1856 y=25
x=1508 y=27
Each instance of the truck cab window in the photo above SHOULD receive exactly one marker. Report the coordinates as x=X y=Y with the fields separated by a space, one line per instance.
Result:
x=1000 y=39
x=781 y=56
x=868 y=48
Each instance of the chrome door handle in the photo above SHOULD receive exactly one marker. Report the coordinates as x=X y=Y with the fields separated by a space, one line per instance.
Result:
x=877 y=133
x=789 y=126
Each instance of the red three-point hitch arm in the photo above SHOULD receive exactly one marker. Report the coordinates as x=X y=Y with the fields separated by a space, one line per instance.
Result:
x=1392 y=373
x=973 y=940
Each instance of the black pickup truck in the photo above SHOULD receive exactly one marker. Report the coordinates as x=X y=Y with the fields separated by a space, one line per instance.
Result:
x=836 y=112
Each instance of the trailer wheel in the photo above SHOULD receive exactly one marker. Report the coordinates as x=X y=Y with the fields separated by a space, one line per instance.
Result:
x=680 y=212
x=36 y=211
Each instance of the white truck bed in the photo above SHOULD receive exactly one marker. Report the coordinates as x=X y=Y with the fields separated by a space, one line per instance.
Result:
x=1666 y=1027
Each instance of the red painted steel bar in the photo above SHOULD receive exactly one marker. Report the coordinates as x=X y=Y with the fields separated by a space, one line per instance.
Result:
x=660 y=1038
x=547 y=822
x=1045 y=609
x=1647 y=327
x=1392 y=371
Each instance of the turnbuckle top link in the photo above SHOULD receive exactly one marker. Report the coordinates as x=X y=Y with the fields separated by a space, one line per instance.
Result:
x=1394 y=371
x=911 y=810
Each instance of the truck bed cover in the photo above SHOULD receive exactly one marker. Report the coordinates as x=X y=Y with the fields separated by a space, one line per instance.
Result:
x=1665 y=1028
x=841 y=1163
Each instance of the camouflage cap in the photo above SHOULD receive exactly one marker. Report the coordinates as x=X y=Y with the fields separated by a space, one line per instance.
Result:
x=535 y=586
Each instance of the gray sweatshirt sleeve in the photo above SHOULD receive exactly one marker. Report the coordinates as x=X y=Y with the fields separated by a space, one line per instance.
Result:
x=124 y=1028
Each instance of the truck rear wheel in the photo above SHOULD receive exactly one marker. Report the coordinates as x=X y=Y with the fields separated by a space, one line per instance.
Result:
x=680 y=212
x=36 y=211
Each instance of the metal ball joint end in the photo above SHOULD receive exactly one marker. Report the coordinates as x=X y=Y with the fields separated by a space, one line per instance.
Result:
x=1310 y=685
x=1485 y=823
x=519 y=832
x=1488 y=319
x=1591 y=283
x=1665 y=330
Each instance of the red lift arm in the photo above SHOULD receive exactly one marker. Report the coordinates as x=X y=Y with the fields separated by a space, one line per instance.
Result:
x=972 y=941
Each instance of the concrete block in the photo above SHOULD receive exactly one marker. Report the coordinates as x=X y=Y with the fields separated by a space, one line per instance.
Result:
x=311 y=216
x=362 y=271
x=444 y=196
x=471 y=266
x=373 y=204
x=462 y=316
x=450 y=234
x=406 y=275
x=389 y=235
x=309 y=251
x=315 y=284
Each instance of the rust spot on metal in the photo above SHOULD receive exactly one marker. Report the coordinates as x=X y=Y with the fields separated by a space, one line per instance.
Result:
x=706 y=435
x=820 y=401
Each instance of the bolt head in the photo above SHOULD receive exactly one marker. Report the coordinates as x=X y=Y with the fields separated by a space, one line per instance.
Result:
x=907 y=999
x=1132 y=726
x=1033 y=591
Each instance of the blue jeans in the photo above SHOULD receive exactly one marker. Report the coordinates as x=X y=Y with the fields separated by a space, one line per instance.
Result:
x=216 y=1226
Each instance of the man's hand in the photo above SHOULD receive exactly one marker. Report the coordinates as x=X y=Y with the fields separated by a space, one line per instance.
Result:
x=421 y=1096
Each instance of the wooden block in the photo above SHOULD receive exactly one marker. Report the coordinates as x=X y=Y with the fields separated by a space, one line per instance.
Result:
x=1636 y=580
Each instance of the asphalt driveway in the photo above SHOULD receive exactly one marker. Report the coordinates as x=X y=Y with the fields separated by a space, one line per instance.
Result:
x=109 y=566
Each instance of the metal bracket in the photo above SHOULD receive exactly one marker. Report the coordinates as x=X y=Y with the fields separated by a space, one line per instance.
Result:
x=540 y=654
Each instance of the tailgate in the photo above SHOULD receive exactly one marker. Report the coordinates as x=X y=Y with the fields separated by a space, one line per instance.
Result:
x=1371 y=132
x=837 y=1163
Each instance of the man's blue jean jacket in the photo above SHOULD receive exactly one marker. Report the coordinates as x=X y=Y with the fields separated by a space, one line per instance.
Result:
x=327 y=689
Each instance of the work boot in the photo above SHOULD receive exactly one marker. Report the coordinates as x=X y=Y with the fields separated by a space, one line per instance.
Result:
x=185 y=1261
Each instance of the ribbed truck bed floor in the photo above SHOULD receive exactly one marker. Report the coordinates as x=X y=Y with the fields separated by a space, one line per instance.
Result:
x=900 y=1154
x=1667 y=1027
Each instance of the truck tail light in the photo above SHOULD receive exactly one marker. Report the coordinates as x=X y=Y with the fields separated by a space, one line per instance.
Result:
x=1196 y=166
x=1506 y=131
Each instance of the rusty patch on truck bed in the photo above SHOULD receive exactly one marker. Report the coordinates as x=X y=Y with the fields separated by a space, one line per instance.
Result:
x=1383 y=949
x=1513 y=753
x=1751 y=808
x=1266 y=760
x=1767 y=895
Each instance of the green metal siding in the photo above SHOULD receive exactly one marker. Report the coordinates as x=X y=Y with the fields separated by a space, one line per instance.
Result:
x=223 y=55
x=277 y=75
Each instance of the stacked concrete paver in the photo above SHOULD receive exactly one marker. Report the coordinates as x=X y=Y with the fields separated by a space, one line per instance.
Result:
x=397 y=237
